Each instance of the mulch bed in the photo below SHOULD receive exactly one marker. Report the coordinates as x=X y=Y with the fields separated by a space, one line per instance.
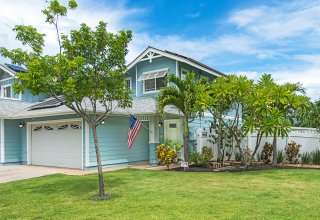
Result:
x=241 y=168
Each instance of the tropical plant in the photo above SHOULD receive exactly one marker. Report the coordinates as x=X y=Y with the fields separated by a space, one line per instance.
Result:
x=266 y=153
x=182 y=94
x=306 y=158
x=310 y=118
x=280 y=157
x=166 y=155
x=225 y=96
x=316 y=157
x=203 y=158
x=263 y=114
x=87 y=74
x=176 y=145
x=292 y=152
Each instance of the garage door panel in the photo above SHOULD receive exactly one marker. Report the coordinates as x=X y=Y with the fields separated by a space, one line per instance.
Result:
x=57 y=144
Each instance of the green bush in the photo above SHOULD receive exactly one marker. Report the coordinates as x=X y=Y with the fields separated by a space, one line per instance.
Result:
x=203 y=158
x=292 y=152
x=238 y=157
x=306 y=158
x=316 y=157
x=266 y=153
x=176 y=145
x=280 y=157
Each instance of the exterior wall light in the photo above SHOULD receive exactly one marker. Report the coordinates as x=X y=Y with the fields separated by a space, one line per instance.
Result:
x=21 y=124
x=160 y=123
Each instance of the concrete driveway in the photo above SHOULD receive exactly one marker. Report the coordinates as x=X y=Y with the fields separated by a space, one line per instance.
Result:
x=20 y=172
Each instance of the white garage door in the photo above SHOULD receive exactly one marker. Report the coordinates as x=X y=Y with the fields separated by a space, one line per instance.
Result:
x=57 y=144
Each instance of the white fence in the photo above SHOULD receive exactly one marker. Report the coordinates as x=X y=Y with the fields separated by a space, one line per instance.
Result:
x=308 y=138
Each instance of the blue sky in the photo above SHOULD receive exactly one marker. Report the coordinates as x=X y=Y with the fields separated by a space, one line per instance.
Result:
x=247 y=37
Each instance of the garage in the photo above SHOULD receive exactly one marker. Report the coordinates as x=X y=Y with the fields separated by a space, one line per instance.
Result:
x=57 y=144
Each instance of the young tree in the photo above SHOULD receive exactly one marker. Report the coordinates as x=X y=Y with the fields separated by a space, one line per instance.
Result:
x=224 y=99
x=87 y=74
x=308 y=118
x=182 y=95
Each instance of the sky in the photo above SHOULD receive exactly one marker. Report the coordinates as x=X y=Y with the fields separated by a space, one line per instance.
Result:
x=248 y=37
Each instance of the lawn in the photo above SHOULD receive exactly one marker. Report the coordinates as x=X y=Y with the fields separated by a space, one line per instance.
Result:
x=145 y=194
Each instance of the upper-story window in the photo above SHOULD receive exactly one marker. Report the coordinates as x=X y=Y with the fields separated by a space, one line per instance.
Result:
x=153 y=81
x=8 y=93
x=128 y=83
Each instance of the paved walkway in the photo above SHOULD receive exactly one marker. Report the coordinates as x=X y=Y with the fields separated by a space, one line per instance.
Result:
x=20 y=172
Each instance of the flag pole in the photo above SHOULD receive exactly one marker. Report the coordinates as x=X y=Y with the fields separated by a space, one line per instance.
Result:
x=145 y=127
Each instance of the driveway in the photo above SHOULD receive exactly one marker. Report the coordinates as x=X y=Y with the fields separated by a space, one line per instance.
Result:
x=20 y=172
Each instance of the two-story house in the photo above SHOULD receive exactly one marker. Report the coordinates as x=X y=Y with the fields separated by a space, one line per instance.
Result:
x=39 y=130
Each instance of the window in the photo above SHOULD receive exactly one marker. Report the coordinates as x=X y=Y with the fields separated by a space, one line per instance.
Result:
x=153 y=80
x=184 y=73
x=128 y=83
x=8 y=93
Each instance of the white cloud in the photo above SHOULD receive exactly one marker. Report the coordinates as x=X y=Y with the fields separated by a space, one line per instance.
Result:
x=287 y=20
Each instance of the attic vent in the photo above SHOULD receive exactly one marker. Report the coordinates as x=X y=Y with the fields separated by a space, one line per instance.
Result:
x=143 y=117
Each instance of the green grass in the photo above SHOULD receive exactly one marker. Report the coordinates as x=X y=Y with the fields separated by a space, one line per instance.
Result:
x=145 y=194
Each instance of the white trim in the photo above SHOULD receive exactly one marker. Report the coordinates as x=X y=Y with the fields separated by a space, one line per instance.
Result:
x=29 y=133
x=163 y=53
x=8 y=70
x=28 y=127
x=130 y=79
x=2 y=141
x=144 y=59
x=137 y=81
x=177 y=68
x=12 y=77
x=87 y=143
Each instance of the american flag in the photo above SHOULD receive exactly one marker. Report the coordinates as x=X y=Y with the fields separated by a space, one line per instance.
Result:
x=134 y=127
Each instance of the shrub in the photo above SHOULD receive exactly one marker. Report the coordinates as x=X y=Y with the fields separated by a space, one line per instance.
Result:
x=238 y=157
x=292 y=152
x=316 y=157
x=166 y=155
x=266 y=153
x=306 y=158
x=203 y=158
x=280 y=157
x=176 y=145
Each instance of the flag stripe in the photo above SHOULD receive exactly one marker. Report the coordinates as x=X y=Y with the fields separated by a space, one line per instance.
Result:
x=134 y=127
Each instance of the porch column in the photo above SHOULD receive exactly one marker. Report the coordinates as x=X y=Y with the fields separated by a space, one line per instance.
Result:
x=153 y=139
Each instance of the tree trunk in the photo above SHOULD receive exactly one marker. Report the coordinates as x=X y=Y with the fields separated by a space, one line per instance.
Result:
x=186 y=142
x=220 y=155
x=258 y=141
x=98 y=156
x=274 y=150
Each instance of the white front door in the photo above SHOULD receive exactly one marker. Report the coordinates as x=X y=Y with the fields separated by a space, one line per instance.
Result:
x=57 y=144
x=172 y=130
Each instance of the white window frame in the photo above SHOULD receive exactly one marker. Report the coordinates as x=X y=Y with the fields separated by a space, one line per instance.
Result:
x=181 y=73
x=3 y=87
x=130 y=79
x=155 y=81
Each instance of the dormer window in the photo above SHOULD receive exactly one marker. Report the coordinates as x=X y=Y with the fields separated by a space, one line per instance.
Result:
x=8 y=93
x=154 y=80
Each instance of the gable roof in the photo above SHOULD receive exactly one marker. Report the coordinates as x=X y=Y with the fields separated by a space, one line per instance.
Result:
x=7 y=70
x=177 y=57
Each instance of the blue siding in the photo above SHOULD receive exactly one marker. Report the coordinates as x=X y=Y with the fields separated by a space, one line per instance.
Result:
x=132 y=73
x=113 y=138
x=197 y=71
x=157 y=63
x=26 y=96
x=12 y=137
x=4 y=75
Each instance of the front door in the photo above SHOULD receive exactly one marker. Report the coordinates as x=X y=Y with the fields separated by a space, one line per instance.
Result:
x=172 y=130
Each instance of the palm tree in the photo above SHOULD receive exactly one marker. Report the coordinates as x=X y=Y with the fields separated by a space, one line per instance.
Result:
x=181 y=94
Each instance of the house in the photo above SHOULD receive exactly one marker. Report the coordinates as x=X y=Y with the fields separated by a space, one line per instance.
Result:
x=39 y=130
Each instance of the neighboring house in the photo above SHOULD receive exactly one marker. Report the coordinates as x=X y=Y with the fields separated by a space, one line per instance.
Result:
x=39 y=130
